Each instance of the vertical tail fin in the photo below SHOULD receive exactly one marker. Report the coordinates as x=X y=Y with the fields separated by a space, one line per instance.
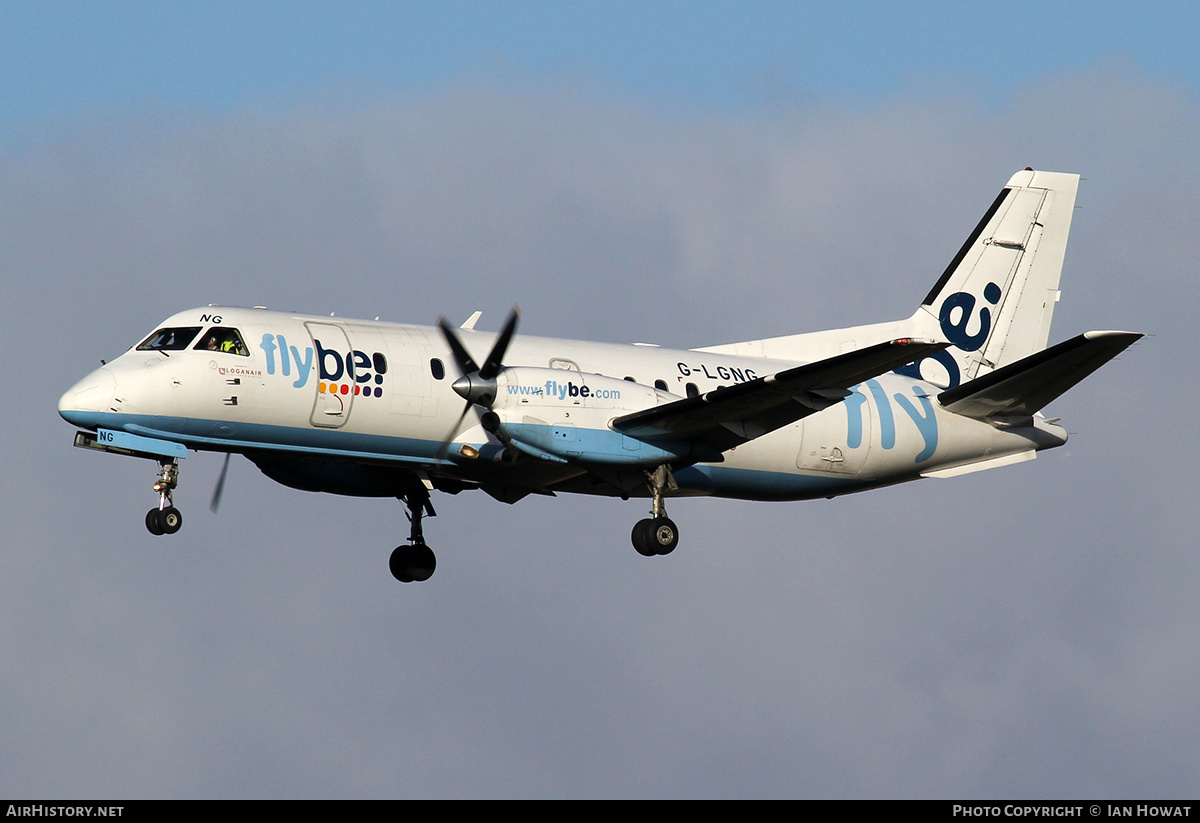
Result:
x=995 y=301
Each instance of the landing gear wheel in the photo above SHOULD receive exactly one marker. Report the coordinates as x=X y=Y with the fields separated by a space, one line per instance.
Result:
x=663 y=535
x=399 y=564
x=165 y=519
x=654 y=536
x=658 y=534
x=171 y=520
x=641 y=538
x=413 y=563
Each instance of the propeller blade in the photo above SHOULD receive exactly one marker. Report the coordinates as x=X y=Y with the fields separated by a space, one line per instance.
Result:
x=466 y=365
x=220 y=488
x=477 y=383
x=495 y=359
x=445 y=449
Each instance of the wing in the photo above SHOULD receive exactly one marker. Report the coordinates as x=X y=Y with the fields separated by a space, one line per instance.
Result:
x=1019 y=389
x=733 y=415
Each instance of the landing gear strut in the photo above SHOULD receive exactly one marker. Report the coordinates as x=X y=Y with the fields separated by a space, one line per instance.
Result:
x=657 y=534
x=165 y=519
x=415 y=561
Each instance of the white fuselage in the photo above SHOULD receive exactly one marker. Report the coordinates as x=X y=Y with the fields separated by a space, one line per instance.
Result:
x=379 y=394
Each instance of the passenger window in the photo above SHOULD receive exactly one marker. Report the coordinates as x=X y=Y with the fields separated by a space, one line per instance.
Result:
x=169 y=339
x=223 y=339
x=437 y=369
x=692 y=391
x=661 y=385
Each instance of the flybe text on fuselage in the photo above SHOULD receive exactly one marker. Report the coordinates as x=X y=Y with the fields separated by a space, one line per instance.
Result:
x=355 y=371
x=925 y=420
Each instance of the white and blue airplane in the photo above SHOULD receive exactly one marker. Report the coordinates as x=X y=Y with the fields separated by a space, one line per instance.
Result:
x=377 y=409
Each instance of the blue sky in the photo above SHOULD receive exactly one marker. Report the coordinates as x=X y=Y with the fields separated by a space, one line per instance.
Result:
x=680 y=173
x=84 y=56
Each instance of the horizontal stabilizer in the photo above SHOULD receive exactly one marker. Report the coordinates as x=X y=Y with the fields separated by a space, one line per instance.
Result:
x=1019 y=389
x=732 y=415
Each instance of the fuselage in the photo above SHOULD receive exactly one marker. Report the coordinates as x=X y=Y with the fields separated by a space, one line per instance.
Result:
x=362 y=407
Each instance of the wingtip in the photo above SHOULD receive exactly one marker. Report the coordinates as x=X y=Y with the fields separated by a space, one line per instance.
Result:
x=1101 y=333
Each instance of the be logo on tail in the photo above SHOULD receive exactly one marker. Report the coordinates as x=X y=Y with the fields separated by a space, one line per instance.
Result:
x=965 y=328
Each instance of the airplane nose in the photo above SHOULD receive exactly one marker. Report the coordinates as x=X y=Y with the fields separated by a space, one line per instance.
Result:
x=90 y=395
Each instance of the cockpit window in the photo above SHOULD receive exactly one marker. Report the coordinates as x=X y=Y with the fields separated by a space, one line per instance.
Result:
x=220 y=338
x=170 y=339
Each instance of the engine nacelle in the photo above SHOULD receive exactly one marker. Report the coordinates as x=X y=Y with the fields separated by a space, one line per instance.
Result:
x=560 y=415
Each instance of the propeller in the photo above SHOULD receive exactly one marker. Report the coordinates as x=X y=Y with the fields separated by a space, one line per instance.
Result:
x=477 y=385
x=215 y=503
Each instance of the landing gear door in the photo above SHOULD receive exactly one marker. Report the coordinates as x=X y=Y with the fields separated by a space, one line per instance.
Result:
x=335 y=368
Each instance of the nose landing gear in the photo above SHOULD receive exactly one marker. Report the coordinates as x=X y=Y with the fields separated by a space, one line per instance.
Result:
x=165 y=519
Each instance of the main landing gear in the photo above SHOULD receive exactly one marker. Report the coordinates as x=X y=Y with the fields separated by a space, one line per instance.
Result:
x=414 y=562
x=165 y=519
x=657 y=534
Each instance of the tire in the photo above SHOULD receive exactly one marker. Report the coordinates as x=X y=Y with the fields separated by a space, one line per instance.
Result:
x=413 y=563
x=424 y=563
x=641 y=538
x=399 y=564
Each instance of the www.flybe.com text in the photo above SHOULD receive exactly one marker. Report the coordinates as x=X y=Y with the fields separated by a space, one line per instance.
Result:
x=564 y=390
